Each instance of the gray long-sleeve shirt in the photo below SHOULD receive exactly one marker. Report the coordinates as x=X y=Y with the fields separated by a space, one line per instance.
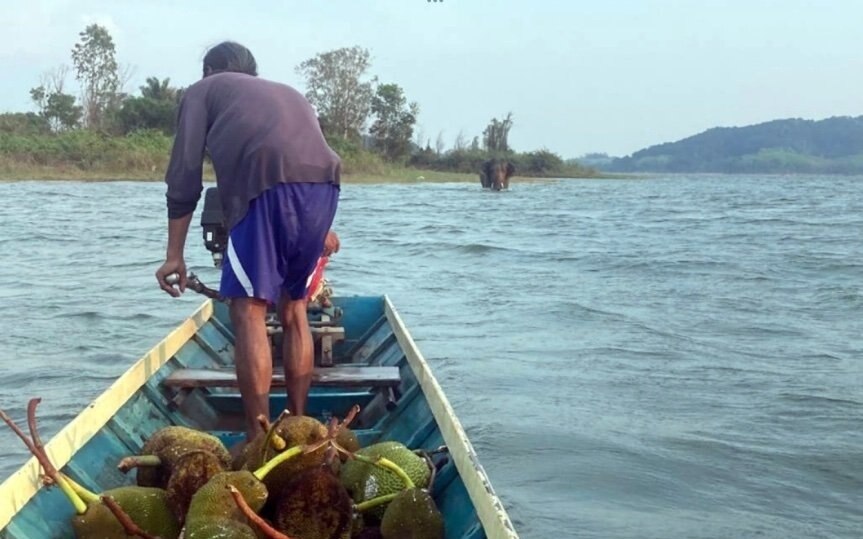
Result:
x=259 y=133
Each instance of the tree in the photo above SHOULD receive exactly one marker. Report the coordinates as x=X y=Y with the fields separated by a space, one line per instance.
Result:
x=419 y=137
x=394 y=124
x=159 y=90
x=56 y=107
x=439 y=144
x=495 y=136
x=155 y=109
x=335 y=87
x=61 y=111
x=540 y=162
x=97 y=70
x=460 y=142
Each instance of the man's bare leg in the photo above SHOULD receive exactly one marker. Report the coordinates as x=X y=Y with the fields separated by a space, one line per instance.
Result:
x=253 y=359
x=297 y=353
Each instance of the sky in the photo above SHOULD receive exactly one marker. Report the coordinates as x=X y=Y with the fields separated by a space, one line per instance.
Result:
x=610 y=76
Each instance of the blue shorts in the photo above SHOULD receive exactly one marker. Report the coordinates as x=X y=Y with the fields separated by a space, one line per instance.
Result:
x=274 y=248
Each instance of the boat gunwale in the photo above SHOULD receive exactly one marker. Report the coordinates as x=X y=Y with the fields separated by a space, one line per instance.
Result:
x=489 y=508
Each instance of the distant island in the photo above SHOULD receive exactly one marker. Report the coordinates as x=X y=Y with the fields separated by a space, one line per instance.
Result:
x=790 y=146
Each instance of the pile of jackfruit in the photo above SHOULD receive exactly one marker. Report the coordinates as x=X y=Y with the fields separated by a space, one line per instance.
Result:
x=299 y=479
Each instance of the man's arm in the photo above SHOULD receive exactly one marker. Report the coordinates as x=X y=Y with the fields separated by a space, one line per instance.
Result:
x=184 y=176
x=185 y=183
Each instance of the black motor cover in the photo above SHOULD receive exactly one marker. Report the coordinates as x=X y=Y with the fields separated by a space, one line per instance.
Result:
x=212 y=221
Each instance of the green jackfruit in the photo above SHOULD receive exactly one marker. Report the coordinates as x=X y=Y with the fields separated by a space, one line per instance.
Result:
x=295 y=431
x=365 y=481
x=214 y=511
x=191 y=472
x=146 y=506
x=412 y=515
x=160 y=453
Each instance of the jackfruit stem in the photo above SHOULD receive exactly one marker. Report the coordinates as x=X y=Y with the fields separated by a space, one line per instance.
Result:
x=266 y=529
x=88 y=496
x=262 y=472
x=374 y=502
x=79 y=504
x=80 y=497
x=42 y=458
x=263 y=422
x=138 y=461
x=389 y=465
x=273 y=439
x=278 y=443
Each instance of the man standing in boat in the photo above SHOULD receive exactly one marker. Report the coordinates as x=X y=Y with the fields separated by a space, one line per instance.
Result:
x=278 y=182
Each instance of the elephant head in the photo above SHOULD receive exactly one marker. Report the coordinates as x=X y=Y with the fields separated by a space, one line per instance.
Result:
x=495 y=174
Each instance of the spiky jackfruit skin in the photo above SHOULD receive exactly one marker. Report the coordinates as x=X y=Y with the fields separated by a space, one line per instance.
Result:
x=354 y=472
x=295 y=431
x=191 y=472
x=169 y=444
x=314 y=505
x=412 y=515
x=213 y=508
x=366 y=481
x=146 y=506
x=224 y=529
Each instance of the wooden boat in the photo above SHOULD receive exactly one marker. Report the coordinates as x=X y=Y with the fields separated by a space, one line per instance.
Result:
x=367 y=357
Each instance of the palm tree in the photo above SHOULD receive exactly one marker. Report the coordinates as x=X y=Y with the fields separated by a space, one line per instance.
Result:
x=158 y=90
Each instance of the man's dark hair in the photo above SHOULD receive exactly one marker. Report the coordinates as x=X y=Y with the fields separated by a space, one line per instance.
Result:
x=230 y=57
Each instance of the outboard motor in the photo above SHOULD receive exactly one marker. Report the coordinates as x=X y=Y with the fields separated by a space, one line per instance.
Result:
x=213 y=225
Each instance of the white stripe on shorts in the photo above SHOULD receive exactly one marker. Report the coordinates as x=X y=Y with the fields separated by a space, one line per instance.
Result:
x=238 y=269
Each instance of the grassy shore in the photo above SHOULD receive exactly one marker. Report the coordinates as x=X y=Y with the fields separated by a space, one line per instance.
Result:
x=12 y=171
x=86 y=156
x=19 y=172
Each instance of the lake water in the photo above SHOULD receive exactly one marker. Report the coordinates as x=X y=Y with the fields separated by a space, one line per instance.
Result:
x=658 y=358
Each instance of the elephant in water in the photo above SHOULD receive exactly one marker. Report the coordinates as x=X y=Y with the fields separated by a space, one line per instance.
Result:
x=495 y=174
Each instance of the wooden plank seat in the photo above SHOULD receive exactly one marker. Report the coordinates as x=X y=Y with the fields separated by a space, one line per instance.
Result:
x=345 y=376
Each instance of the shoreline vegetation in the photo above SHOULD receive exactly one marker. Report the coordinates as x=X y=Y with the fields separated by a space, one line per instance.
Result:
x=83 y=155
x=106 y=133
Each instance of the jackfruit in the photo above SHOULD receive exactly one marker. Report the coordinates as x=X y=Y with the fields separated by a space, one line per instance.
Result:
x=314 y=505
x=412 y=515
x=159 y=454
x=213 y=512
x=147 y=507
x=365 y=481
x=295 y=431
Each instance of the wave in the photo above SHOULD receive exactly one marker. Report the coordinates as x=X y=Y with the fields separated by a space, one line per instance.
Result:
x=808 y=398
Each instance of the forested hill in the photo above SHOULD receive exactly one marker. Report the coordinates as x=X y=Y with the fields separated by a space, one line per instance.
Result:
x=831 y=146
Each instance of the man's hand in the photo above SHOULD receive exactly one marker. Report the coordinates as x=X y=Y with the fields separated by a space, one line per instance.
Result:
x=170 y=266
x=331 y=243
